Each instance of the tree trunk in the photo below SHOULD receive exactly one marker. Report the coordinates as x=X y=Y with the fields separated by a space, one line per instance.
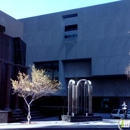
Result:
x=29 y=114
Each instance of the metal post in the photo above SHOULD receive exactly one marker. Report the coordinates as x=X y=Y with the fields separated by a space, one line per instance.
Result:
x=70 y=85
x=85 y=97
x=90 y=96
x=77 y=94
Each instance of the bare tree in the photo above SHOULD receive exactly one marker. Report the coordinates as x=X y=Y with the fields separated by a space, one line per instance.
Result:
x=36 y=86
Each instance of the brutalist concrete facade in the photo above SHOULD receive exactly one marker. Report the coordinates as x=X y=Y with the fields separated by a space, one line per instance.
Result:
x=91 y=43
x=14 y=28
x=12 y=60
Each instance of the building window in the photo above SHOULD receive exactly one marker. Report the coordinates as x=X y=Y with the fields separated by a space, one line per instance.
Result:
x=70 y=15
x=70 y=32
x=71 y=27
x=71 y=36
x=2 y=29
x=52 y=68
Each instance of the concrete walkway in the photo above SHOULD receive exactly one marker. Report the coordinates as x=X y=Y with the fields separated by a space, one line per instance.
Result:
x=47 y=125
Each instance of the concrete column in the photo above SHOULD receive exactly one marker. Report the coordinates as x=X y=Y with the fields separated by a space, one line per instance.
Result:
x=1 y=82
x=17 y=68
x=8 y=85
x=62 y=79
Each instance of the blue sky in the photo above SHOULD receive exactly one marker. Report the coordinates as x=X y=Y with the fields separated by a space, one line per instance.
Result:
x=28 y=8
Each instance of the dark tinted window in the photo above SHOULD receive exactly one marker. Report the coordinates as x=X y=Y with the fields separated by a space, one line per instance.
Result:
x=114 y=111
x=70 y=15
x=121 y=112
x=128 y=112
x=52 y=68
x=71 y=36
x=71 y=27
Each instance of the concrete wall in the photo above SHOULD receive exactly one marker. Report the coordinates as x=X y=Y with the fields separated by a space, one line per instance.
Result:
x=103 y=38
x=13 y=27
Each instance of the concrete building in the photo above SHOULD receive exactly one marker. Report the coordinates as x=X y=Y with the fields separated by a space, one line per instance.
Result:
x=91 y=43
x=12 y=59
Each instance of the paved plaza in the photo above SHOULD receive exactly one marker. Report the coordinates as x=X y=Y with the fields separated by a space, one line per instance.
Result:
x=44 y=125
x=53 y=123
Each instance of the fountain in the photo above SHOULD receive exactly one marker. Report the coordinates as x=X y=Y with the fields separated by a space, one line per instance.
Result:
x=79 y=108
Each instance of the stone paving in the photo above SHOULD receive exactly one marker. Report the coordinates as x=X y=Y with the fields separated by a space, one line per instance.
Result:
x=54 y=123
x=106 y=123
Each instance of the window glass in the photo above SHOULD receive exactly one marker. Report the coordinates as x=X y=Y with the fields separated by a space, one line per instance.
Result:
x=114 y=111
x=128 y=112
x=71 y=36
x=121 y=112
x=70 y=16
x=52 y=68
x=71 y=27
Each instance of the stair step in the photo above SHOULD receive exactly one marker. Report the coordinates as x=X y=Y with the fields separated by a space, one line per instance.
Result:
x=19 y=115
